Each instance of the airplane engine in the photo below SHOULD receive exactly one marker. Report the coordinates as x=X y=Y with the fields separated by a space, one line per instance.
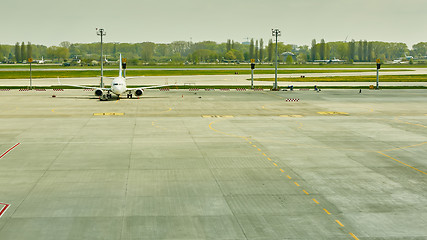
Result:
x=98 y=92
x=139 y=92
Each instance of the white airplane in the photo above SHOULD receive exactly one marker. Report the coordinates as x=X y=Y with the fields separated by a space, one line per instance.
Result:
x=335 y=60
x=118 y=87
x=42 y=61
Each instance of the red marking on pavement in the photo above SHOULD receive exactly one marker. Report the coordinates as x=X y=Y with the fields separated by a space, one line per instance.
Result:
x=10 y=149
x=3 y=210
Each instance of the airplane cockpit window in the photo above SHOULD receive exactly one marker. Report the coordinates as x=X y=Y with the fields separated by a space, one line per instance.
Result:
x=115 y=84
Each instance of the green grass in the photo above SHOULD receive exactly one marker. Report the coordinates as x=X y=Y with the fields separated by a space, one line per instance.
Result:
x=385 y=78
x=243 y=65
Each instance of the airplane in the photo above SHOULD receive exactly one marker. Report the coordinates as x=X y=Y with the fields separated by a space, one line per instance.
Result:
x=335 y=60
x=118 y=86
x=405 y=59
x=398 y=61
x=42 y=61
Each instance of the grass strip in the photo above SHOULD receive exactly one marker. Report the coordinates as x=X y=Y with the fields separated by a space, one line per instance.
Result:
x=384 y=78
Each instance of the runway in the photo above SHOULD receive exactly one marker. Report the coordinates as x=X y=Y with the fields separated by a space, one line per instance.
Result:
x=183 y=164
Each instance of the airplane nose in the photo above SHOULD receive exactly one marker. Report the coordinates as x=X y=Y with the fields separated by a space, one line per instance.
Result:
x=116 y=89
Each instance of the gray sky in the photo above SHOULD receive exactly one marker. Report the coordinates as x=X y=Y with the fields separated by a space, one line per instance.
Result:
x=50 y=22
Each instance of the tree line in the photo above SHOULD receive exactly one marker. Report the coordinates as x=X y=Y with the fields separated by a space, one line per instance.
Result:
x=179 y=52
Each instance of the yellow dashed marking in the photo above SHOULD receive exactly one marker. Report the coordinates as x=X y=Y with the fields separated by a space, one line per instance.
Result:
x=351 y=234
x=400 y=148
x=217 y=116
x=332 y=113
x=108 y=114
x=292 y=116
x=416 y=169
x=245 y=138
x=339 y=223
x=53 y=110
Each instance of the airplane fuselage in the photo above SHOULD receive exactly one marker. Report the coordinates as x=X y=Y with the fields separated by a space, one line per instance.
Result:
x=118 y=85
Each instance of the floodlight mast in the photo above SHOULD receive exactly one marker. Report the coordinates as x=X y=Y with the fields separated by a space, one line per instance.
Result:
x=101 y=32
x=276 y=33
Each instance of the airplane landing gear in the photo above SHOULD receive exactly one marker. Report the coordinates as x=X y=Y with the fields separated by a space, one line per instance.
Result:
x=129 y=95
x=105 y=97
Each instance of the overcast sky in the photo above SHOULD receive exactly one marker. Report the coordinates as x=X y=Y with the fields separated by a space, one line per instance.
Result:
x=50 y=22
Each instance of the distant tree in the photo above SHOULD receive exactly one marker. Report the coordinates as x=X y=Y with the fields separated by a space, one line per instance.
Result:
x=301 y=58
x=313 y=50
x=23 y=52
x=29 y=50
x=58 y=53
x=420 y=49
x=370 y=52
x=233 y=46
x=239 y=55
x=338 y=50
x=322 y=49
x=289 y=59
x=327 y=51
x=204 y=55
x=147 y=51
x=261 y=50
x=251 y=49
x=270 y=50
x=17 y=52
x=65 y=44
x=351 y=50
x=228 y=45
x=230 y=55
x=365 y=51
x=360 y=51
x=256 y=50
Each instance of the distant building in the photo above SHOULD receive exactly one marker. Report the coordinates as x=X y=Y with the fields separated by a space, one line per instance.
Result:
x=286 y=54
x=246 y=43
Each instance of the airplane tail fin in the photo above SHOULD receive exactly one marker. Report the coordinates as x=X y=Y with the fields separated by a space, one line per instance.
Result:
x=120 y=65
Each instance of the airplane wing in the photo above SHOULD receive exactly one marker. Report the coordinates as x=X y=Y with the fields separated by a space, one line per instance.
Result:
x=158 y=86
x=135 y=77
x=81 y=86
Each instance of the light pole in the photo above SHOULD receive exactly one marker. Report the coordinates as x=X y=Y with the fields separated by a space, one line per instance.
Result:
x=276 y=33
x=101 y=32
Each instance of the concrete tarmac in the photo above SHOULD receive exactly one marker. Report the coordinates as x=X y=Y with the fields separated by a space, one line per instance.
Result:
x=335 y=164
